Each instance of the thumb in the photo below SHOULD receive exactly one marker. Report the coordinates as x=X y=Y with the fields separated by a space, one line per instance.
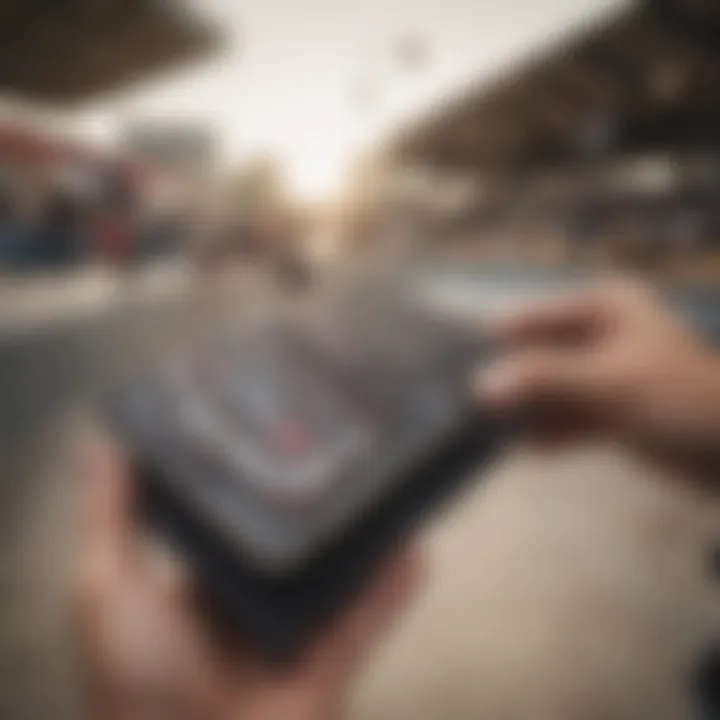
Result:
x=108 y=544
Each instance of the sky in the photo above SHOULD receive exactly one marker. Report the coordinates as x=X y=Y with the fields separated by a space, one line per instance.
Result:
x=288 y=81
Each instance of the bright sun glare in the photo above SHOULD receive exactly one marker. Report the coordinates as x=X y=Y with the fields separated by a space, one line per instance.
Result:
x=316 y=174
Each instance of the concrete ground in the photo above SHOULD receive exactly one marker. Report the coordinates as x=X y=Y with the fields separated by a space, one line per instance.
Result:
x=561 y=587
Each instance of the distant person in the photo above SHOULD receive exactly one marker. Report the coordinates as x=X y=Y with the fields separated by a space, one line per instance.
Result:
x=57 y=238
x=283 y=249
x=611 y=362
x=112 y=237
x=12 y=240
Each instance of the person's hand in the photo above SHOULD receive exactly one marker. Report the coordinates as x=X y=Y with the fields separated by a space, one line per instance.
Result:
x=148 y=653
x=611 y=361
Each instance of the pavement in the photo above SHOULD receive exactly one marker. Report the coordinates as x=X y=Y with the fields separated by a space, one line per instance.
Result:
x=566 y=587
x=573 y=586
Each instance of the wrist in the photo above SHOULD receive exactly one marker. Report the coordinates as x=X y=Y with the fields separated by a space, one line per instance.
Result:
x=705 y=426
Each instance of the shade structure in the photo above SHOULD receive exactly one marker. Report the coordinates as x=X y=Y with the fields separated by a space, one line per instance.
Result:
x=642 y=80
x=64 y=51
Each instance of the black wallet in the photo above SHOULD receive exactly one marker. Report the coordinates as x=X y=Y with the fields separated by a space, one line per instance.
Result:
x=287 y=458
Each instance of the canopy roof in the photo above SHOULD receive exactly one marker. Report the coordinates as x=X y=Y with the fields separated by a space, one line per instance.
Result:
x=646 y=80
x=67 y=50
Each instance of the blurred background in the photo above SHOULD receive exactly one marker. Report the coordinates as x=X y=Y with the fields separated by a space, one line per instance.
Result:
x=165 y=166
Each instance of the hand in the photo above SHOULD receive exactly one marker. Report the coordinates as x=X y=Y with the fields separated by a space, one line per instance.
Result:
x=149 y=655
x=610 y=361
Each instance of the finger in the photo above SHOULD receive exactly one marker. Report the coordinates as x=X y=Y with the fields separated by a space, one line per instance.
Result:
x=543 y=377
x=107 y=537
x=360 y=628
x=568 y=317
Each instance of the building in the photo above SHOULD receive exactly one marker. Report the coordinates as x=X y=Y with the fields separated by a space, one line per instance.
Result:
x=176 y=146
x=612 y=134
x=56 y=55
